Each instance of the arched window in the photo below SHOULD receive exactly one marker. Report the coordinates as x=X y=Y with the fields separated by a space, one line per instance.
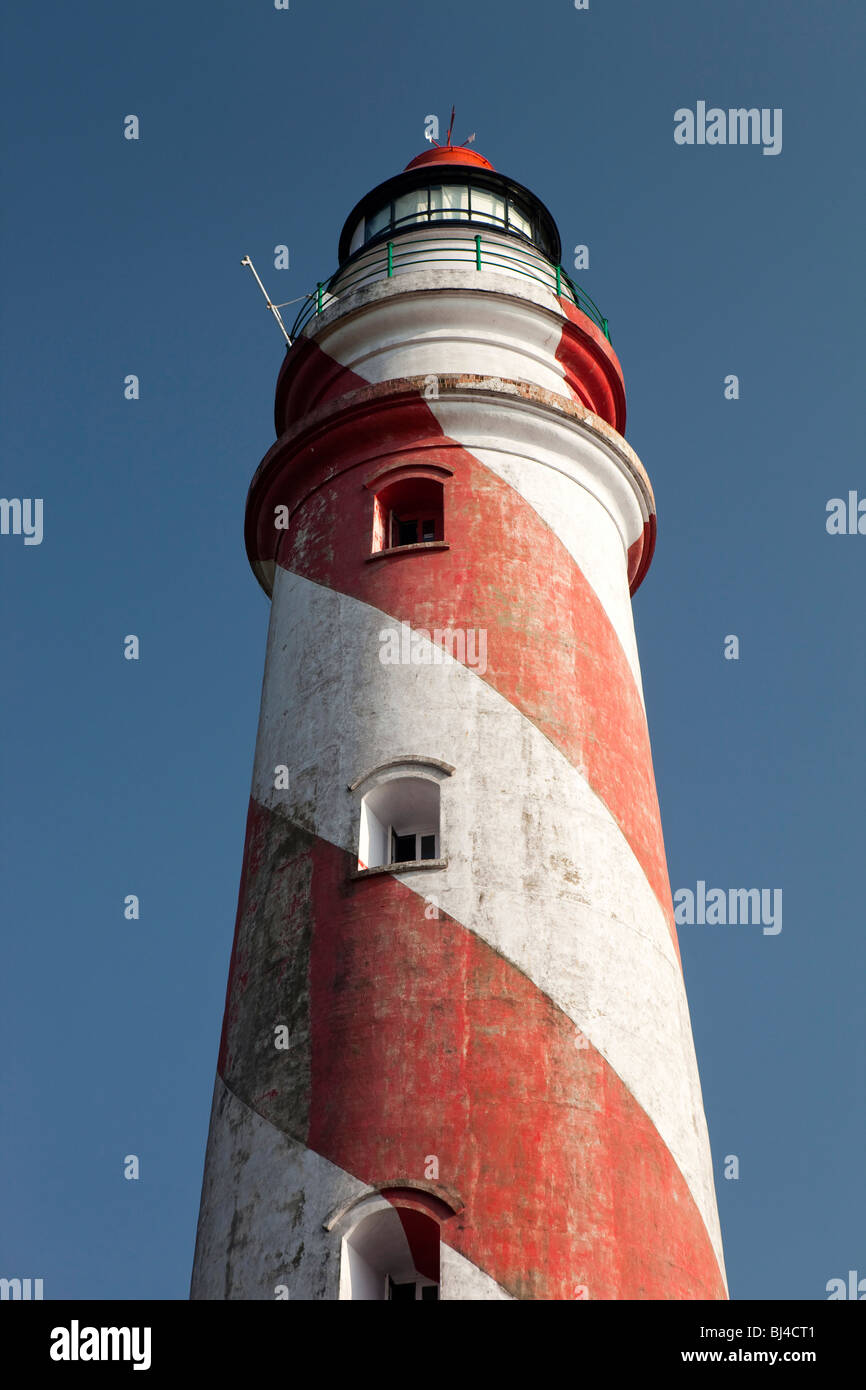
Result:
x=399 y=819
x=399 y=823
x=392 y=1255
x=408 y=512
x=408 y=506
x=390 y=1241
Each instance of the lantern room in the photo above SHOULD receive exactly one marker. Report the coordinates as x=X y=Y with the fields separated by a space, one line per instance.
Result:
x=442 y=187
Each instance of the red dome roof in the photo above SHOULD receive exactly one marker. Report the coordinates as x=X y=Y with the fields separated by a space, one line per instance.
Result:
x=449 y=154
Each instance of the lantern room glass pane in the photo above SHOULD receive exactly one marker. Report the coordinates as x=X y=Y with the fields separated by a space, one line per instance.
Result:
x=449 y=202
x=410 y=207
x=378 y=221
x=359 y=236
x=487 y=207
x=518 y=220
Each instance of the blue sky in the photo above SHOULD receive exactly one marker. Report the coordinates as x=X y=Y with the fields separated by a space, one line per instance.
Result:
x=261 y=127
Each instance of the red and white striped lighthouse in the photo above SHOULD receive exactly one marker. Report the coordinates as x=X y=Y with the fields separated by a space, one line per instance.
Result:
x=456 y=1059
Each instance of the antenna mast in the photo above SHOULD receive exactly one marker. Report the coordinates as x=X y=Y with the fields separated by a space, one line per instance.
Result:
x=273 y=307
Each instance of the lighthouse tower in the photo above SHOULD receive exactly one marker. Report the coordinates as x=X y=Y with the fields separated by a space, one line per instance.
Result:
x=456 y=1058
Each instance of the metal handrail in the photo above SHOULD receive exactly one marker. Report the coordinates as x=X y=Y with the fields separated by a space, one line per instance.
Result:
x=473 y=250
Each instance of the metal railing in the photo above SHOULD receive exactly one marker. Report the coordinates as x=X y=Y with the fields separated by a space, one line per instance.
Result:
x=390 y=257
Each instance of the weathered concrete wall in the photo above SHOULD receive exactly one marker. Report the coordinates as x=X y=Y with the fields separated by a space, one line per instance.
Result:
x=267 y=1217
x=465 y=1282
x=265 y=1199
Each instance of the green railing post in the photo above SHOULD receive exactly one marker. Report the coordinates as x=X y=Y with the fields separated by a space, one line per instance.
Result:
x=478 y=252
x=390 y=258
x=559 y=281
x=319 y=296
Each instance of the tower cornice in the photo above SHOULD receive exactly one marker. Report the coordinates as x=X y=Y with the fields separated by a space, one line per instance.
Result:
x=381 y=423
